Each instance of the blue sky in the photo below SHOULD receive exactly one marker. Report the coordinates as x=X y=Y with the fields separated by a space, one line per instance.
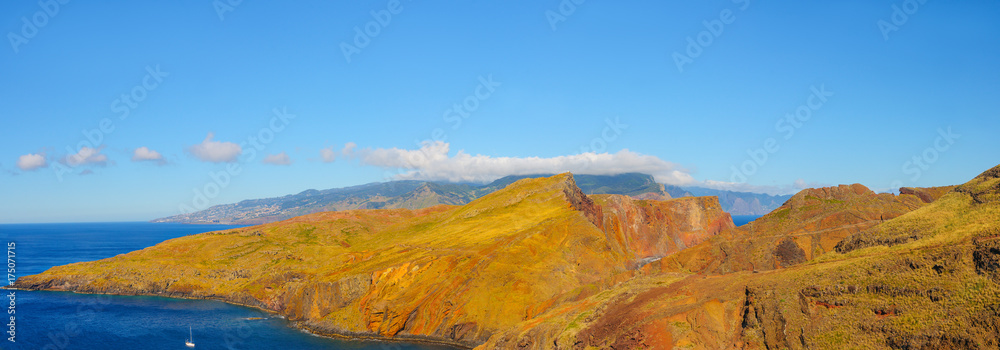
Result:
x=550 y=86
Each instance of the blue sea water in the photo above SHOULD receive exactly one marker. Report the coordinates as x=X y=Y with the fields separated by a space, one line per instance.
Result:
x=61 y=320
x=741 y=220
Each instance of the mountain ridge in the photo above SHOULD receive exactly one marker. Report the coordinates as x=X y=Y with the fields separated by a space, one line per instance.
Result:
x=414 y=194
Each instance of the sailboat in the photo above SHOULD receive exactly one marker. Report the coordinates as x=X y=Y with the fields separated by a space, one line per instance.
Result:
x=190 y=340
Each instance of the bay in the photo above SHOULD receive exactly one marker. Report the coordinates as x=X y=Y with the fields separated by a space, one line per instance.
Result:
x=64 y=320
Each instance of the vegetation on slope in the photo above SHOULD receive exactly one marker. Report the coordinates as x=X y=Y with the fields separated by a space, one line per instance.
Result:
x=446 y=273
x=938 y=289
x=935 y=288
x=809 y=224
x=542 y=265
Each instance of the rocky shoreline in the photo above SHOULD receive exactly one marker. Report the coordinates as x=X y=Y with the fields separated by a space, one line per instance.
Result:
x=300 y=325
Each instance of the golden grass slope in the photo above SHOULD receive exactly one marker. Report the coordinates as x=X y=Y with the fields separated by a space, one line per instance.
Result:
x=808 y=225
x=935 y=289
x=453 y=274
x=939 y=289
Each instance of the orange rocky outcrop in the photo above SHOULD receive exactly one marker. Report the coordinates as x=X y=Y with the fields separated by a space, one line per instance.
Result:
x=649 y=230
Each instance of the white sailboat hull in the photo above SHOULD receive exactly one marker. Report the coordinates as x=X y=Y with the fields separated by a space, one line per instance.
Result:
x=190 y=340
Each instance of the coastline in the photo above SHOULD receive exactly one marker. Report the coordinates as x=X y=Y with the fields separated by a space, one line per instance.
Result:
x=299 y=325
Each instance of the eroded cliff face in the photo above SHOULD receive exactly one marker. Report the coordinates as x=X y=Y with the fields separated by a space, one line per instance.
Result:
x=648 y=230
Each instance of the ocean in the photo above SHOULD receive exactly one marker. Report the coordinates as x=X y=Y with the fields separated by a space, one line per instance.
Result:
x=62 y=320
x=741 y=220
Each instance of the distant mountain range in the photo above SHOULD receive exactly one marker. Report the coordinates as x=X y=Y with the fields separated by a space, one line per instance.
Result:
x=411 y=194
x=741 y=203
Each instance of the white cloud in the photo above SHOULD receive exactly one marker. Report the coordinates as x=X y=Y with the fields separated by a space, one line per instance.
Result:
x=328 y=155
x=87 y=155
x=215 y=151
x=146 y=154
x=349 y=149
x=278 y=159
x=31 y=161
x=800 y=184
x=432 y=162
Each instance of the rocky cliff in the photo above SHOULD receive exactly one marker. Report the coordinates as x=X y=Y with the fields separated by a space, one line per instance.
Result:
x=809 y=224
x=937 y=287
x=648 y=230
